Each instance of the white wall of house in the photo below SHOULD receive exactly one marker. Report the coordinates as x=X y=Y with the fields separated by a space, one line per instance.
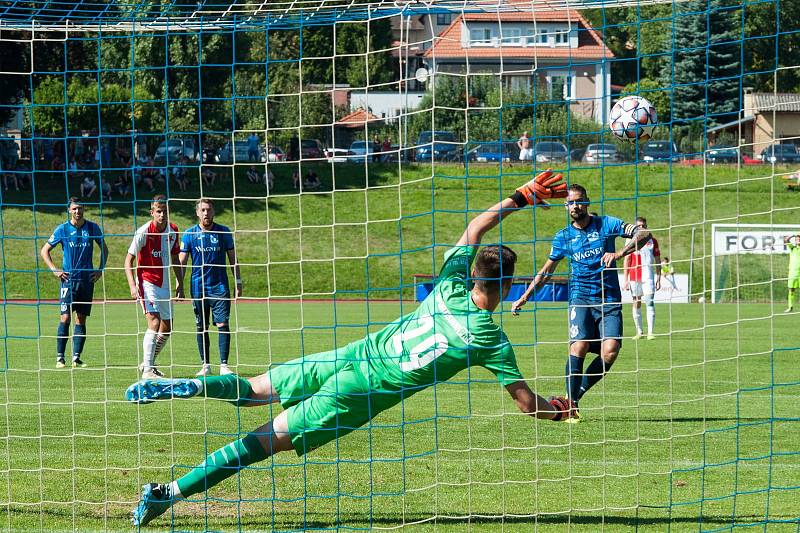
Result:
x=386 y=105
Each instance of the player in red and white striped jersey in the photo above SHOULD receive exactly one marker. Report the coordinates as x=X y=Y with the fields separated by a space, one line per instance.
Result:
x=155 y=248
x=643 y=279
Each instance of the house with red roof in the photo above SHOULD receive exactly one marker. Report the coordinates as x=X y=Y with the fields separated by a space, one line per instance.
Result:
x=553 y=51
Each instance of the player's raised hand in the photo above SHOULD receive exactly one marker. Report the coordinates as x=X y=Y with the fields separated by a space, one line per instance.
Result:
x=544 y=186
x=564 y=407
x=516 y=306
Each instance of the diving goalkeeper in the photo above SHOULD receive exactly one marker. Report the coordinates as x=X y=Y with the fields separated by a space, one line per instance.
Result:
x=328 y=395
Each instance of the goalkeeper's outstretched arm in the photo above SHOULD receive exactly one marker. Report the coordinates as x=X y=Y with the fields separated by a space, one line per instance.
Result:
x=556 y=408
x=541 y=188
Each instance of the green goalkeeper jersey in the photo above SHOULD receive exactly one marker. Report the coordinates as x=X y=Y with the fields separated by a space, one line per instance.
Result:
x=445 y=335
x=794 y=260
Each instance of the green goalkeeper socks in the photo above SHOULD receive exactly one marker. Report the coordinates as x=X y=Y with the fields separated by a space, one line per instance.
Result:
x=222 y=464
x=229 y=387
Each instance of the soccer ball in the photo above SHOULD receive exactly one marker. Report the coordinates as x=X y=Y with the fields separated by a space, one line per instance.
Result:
x=632 y=118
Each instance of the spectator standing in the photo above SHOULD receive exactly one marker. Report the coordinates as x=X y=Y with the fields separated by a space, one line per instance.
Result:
x=253 y=147
x=524 y=145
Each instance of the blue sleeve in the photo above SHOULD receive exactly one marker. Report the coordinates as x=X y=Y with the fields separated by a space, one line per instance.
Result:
x=613 y=226
x=186 y=242
x=56 y=237
x=97 y=233
x=557 y=250
x=227 y=240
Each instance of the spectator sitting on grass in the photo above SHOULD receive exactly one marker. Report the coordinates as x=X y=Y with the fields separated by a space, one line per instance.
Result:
x=209 y=176
x=311 y=180
x=296 y=179
x=105 y=188
x=72 y=169
x=180 y=176
x=252 y=174
x=88 y=186
x=9 y=176
x=121 y=186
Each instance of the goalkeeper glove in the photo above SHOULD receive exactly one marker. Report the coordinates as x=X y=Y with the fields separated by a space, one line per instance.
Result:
x=563 y=407
x=544 y=186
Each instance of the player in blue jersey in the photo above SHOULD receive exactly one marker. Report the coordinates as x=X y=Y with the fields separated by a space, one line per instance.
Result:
x=77 y=275
x=595 y=299
x=209 y=244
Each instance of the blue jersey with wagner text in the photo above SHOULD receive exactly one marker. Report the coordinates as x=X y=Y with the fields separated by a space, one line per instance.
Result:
x=209 y=257
x=589 y=280
x=78 y=246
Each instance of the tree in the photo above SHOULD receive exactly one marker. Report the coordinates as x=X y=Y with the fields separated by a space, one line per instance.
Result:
x=772 y=41
x=686 y=73
x=724 y=66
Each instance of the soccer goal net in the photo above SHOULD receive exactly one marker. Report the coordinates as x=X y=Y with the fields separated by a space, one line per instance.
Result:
x=344 y=147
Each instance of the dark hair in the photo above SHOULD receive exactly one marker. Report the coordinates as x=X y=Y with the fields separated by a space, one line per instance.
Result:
x=578 y=188
x=493 y=265
x=159 y=199
x=199 y=201
x=642 y=220
x=74 y=200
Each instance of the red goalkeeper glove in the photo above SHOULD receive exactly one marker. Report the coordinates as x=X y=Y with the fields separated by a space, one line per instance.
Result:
x=543 y=187
x=563 y=407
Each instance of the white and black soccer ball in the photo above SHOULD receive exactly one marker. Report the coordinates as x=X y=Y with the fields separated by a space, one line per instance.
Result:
x=633 y=118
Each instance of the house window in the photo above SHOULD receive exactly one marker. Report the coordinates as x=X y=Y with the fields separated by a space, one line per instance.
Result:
x=560 y=86
x=512 y=36
x=562 y=36
x=519 y=83
x=443 y=19
x=480 y=36
x=537 y=37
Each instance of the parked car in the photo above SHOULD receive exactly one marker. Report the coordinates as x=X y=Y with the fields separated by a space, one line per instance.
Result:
x=172 y=152
x=655 y=151
x=576 y=154
x=601 y=153
x=437 y=145
x=492 y=152
x=275 y=154
x=360 y=151
x=722 y=154
x=779 y=153
x=550 y=151
x=311 y=149
x=337 y=155
x=239 y=154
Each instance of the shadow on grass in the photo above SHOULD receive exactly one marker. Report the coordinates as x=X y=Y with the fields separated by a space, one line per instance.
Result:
x=51 y=191
x=311 y=520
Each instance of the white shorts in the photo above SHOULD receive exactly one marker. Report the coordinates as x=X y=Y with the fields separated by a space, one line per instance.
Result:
x=526 y=154
x=156 y=300
x=641 y=288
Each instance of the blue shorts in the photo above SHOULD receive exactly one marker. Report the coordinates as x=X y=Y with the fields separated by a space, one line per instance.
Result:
x=76 y=296
x=594 y=323
x=219 y=309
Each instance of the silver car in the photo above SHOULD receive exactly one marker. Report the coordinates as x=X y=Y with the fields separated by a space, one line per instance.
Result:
x=549 y=151
x=601 y=153
x=239 y=154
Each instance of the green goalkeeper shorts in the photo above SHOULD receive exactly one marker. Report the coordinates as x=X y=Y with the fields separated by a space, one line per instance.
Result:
x=794 y=283
x=326 y=396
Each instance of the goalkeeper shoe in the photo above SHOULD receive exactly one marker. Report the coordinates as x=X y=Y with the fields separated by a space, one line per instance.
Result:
x=77 y=363
x=60 y=363
x=150 y=390
x=155 y=501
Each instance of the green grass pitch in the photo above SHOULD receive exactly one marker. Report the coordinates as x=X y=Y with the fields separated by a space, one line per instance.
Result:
x=668 y=441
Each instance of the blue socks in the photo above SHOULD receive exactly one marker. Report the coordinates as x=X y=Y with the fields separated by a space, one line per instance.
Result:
x=78 y=340
x=597 y=369
x=204 y=346
x=61 y=340
x=224 y=343
x=574 y=377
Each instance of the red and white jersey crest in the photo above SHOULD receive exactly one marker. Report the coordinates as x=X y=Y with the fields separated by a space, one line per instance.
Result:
x=153 y=250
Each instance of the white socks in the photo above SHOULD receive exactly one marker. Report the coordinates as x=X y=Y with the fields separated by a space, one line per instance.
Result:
x=651 y=318
x=637 y=318
x=149 y=348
